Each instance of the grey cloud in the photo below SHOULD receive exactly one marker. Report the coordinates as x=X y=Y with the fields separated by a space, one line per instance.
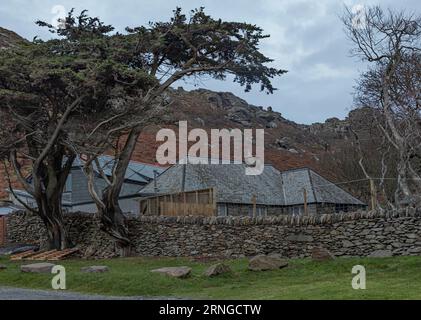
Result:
x=306 y=38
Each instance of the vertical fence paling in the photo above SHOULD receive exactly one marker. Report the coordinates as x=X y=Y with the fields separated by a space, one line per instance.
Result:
x=188 y=203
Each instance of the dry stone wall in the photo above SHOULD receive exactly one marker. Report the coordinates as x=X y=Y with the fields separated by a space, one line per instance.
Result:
x=348 y=234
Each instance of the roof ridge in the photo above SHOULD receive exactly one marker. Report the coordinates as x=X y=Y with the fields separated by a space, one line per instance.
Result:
x=336 y=186
x=139 y=162
x=296 y=169
x=311 y=184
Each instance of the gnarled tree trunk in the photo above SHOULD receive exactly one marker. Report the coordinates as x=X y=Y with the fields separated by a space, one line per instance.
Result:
x=113 y=221
x=110 y=214
x=49 y=181
x=52 y=216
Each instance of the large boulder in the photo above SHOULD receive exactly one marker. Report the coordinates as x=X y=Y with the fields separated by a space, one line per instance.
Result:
x=41 y=267
x=95 y=269
x=321 y=254
x=176 y=272
x=217 y=269
x=263 y=262
x=3 y=267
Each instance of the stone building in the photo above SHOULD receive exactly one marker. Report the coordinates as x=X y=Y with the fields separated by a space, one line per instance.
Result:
x=298 y=191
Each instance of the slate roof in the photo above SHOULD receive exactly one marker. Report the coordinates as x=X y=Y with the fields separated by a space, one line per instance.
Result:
x=7 y=208
x=230 y=181
x=319 y=189
x=136 y=171
x=272 y=187
x=76 y=192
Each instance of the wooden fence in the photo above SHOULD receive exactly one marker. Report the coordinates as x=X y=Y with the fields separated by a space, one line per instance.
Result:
x=190 y=203
x=2 y=230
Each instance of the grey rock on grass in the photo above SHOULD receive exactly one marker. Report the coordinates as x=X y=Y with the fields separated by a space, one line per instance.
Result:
x=263 y=263
x=321 y=254
x=176 y=272
x=217 y=269
x=41 y=267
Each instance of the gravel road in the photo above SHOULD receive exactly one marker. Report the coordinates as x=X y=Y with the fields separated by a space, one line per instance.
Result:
x=8 y=293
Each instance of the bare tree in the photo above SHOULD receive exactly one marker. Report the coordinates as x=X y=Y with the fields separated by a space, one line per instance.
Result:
x=390 y=42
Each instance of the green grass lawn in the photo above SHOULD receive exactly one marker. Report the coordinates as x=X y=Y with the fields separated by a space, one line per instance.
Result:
x=387 y=278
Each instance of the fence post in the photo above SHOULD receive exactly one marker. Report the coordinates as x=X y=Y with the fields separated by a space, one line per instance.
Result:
x=215 y=208
x=373 y=195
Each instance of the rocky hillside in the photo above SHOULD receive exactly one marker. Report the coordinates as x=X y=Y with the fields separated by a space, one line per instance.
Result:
x=329 y=147
x=9 y=39
x=287 y=144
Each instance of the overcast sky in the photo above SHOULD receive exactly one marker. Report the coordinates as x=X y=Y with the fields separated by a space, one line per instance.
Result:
x=307 y=39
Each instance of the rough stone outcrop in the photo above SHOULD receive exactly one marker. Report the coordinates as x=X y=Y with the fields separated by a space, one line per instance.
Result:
x=9 y=39
x=176 y=272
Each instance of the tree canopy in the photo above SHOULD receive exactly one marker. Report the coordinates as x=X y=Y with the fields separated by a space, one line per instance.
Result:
x=82 y=90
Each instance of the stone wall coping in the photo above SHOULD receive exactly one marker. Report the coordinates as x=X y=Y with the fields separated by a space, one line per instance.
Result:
x=287 y=220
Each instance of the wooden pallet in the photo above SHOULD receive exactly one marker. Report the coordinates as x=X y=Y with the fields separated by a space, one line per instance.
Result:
x=41 y=255
x=22 y=255
x=51 y=255
x=59 y=255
